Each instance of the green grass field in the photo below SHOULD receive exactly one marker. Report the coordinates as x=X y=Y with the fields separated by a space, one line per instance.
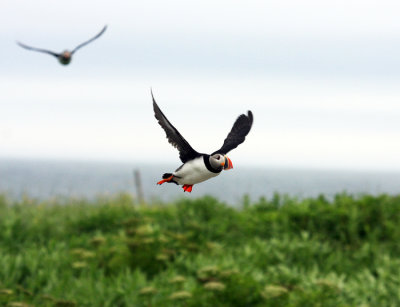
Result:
x=201 y=252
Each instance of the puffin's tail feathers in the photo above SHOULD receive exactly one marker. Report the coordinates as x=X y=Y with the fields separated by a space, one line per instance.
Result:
x=166 y=175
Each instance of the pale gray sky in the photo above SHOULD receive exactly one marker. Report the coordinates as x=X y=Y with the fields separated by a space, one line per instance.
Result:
x=321 y=78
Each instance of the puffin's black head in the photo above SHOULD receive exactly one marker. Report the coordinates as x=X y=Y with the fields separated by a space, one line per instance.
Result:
x=220 y=162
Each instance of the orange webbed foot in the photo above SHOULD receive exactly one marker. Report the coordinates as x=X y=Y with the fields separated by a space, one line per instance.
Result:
x=187 y=187
x=166 y=180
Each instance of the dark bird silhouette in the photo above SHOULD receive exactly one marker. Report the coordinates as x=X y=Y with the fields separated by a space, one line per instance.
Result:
x=64 y=57
x=198 y=167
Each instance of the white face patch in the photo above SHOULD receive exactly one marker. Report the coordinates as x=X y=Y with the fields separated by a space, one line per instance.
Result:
x=216 y=161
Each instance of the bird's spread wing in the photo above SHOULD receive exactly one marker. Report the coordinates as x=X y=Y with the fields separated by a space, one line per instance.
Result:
x=90 y=40
x=238 y=133
x=186 y=152
x=38 y=49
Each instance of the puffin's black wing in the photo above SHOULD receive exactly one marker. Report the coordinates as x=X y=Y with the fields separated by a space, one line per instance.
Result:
x=39 y=50
x=238 y=133
x=186 y=152
x=90 y=40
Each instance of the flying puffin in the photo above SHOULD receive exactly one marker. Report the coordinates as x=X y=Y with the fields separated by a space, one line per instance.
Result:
x=66 y=56
x=198 y=167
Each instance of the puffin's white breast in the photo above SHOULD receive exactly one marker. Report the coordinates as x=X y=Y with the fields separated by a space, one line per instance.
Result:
x=193 y=172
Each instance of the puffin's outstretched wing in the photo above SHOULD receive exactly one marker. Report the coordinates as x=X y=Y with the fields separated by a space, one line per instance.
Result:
x=186 y=152
x=39 y=50
x=90 y=40
x=238 y=133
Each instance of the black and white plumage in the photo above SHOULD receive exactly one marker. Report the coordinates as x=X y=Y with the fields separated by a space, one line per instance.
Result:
x=198 y=167
x=64 y=57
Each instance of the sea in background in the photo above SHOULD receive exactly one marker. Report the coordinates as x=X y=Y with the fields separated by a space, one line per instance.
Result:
x=46 y=179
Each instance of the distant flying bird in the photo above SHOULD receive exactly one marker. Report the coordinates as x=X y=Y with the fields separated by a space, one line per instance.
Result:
x=198 y=167
x=66 y=56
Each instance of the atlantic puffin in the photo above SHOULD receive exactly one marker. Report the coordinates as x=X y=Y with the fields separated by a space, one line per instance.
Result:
x=66 y=56
x=198 y=167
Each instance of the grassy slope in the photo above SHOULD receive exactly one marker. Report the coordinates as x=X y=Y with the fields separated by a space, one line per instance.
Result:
x=281 y=252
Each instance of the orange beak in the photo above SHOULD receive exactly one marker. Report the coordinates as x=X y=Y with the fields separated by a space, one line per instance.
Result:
x=228 y=163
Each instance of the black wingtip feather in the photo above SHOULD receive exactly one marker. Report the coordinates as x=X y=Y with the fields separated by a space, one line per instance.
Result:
x=250 y=116
x=22 y=45
x=156 y=108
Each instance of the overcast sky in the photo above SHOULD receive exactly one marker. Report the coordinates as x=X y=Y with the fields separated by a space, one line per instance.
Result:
x=321 y=77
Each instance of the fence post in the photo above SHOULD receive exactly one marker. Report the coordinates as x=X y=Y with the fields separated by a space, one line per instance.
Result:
x=138 y=183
